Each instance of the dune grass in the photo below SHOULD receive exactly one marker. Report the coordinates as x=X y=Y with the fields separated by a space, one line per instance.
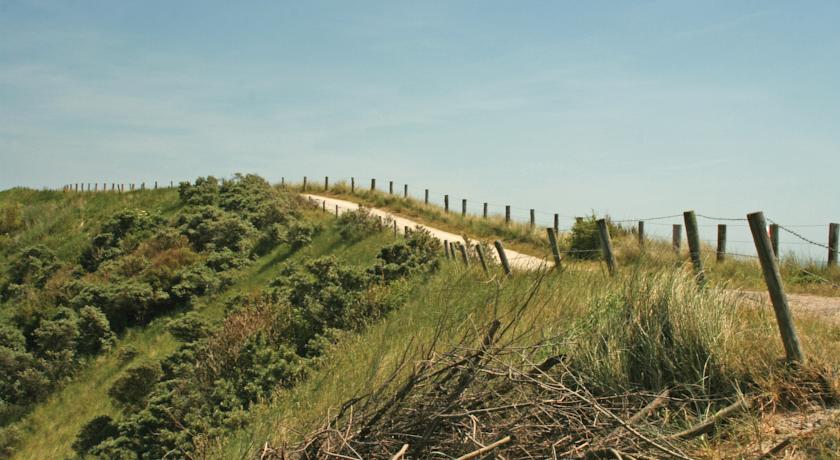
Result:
x=641 y=330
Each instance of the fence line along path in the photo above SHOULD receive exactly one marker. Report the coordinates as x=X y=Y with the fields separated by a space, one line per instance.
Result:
x=517 y=260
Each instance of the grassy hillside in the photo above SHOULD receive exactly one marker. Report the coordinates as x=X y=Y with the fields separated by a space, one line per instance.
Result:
x=229 y=319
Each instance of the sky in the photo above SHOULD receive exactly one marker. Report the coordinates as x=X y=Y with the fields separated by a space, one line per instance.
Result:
x=632 y=109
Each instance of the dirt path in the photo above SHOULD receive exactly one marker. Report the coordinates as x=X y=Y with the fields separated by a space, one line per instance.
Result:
x=828 y=307
x=518 y=261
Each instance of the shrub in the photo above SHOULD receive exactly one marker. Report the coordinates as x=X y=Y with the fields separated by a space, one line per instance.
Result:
x=189 y=327
x=417 y=253
x=585 y=240
x=130 y=390
x=300 y=233
x=33 y=265
x=126 y=354
x=10 y=438
x=357 y=224
x=94 y=432
x=11 y=218
x=119 y=235
x=211 y=228
x=95 y=335
x=57 y=335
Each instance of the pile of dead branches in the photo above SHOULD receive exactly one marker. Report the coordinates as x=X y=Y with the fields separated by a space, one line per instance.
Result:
x=493 y=400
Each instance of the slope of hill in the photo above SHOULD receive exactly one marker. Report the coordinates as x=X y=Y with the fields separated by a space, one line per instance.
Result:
x=232 y=319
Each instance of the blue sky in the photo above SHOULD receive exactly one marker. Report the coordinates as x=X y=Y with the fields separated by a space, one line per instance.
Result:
x=628 y=108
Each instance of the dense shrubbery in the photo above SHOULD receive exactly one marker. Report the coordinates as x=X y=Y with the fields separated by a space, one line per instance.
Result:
x=266 y=341
x=136 y=267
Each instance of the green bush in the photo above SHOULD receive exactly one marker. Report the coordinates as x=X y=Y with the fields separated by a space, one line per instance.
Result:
x=189 y=327
x=11 y=218
x=120 y=235
x=126 y=354
x=95 y=335
x=211 y=228
x=94 y=432
x=357 y=224
x=33 y=266
x=419 y=252
x=130 y=389
x=585 y=240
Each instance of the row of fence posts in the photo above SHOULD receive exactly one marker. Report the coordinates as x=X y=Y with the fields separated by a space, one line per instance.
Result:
x=676 y=235
x=446 y=208
x=115 y=187
x=766 y=244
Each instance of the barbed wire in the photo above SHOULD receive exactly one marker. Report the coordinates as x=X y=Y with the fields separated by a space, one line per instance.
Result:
x=615 y=221
x=825 y=246
x=739 y=219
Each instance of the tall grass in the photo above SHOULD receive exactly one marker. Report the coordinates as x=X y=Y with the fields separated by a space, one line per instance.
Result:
x=642 y=330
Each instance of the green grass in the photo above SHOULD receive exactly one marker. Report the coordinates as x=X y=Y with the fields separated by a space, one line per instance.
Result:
x=50 y=429
x=611 y=329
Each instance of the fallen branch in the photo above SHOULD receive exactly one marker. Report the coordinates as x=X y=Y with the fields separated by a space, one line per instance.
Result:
x=708 y=425
x=485 y=449
x=400 y=453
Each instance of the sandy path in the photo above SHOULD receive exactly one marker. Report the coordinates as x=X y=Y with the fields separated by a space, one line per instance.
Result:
x=518 y=261
x=828 y=307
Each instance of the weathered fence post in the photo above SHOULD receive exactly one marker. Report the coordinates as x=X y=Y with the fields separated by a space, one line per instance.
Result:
x=372 y=185
x=532 y=218
x=503 y=257
x=480 y=251
x=606 y=246
x=641 y=229
x=693 y=235
x=326 y=183
x=390 y=187
x=774 y=239
x=155 y=185
x=426 y=197
x=405 y=191
x=304 y=183
x=446 y=248
x=336 y=210
x=484 y=213
x=555 y=250
x=721 y=242
x=773 y=278
x=170 y=184
x=352 y=185
x=463 y=207
x=507 y=214
x=324 y=205
x=464 y=256
x=395 y=228
x=96 y=187
x=446 y=203
x=676 y=238
x=556 y=224
x=833 y=242
x=406 y=231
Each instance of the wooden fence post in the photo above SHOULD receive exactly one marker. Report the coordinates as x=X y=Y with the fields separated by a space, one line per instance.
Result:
x=641 y=229
x=464 y=256
x=676 y=238
x=833 y=242
x=304 y=183
x=446 y=203
x=326 y=183
x=484 y=213
x=395 y=228
x=555 y=250
x=773 y=278
x=336 y=210
x=556 y=224
x=96 y=187
x=426 y=197
x=463 y=207
x=390 y=187
x=693 y=235
x=324 y=205
x=372 y=185
x=155 y=185
x=532 y=218
x=405 y=191
x=503 y=257
x=721 y=242
x=446 y=248
x=774 y=239
x=352 y=185
x=507 y=214
x=606 y=246
x=406 y=231
x=480 y=251
x=170 y=184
